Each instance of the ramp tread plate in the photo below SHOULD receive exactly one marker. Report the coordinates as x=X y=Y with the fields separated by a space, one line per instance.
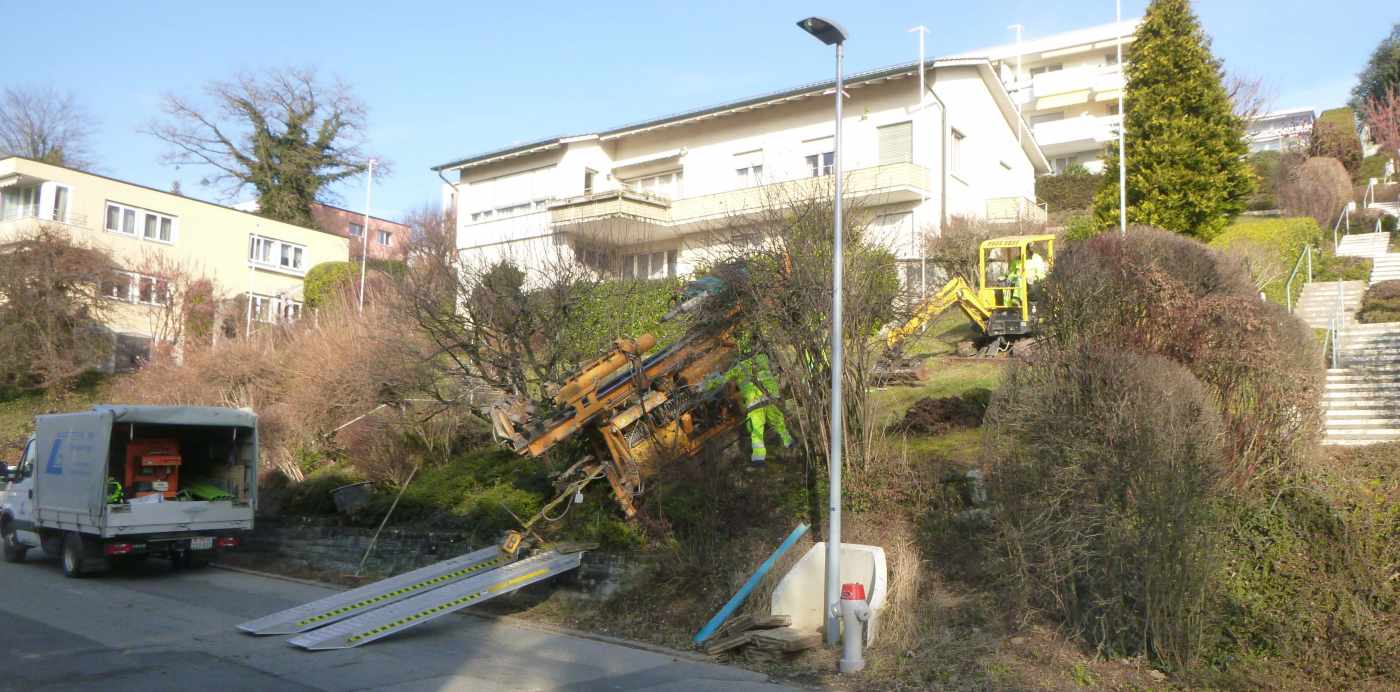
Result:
x=376 y=595
x=388 y=620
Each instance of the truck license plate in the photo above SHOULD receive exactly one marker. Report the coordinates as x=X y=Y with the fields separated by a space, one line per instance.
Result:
x=202 y=543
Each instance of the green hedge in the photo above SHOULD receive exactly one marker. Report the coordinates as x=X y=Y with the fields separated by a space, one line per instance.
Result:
x=1287 y=237
x=612 y=309
x=328 y=279
x=1073 y=189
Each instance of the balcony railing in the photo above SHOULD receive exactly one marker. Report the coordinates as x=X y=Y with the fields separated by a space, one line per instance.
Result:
x=1086 y=128
x=31 y=213
x=1016 y=209
x=1099 y=78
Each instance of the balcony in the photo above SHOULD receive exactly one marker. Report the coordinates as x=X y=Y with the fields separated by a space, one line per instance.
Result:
x=1015 y=209
x=27 y=218
x=630 y=214
x=1075 y=134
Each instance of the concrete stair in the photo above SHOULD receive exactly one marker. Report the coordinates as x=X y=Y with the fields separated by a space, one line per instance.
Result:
x=1318 y=303
x=1386 y=268
x=1363 y=245
x=1362 y=400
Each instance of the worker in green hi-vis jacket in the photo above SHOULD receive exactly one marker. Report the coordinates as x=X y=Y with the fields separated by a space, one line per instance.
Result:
x=757 y=389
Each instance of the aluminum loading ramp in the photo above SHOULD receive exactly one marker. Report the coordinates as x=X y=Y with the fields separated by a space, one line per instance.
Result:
x=386 y=607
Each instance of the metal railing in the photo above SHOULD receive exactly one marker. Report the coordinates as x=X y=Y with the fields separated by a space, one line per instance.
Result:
x=1370 y=196
x=1288 y=285
x=1345 y=215
x=1334 y=341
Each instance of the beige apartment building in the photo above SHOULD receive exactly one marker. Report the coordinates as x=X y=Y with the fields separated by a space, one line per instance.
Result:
x=658 y=198
x=1067 y=87
x=150 y=232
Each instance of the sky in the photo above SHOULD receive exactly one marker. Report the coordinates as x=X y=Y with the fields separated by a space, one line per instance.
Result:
x=445 y=80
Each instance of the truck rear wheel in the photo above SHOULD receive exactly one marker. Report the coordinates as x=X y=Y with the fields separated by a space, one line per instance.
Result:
x=72 y=555
x=14 y=550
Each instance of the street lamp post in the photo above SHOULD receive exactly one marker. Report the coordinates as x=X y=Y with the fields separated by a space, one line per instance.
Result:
x=364 y=234
x=829 y=33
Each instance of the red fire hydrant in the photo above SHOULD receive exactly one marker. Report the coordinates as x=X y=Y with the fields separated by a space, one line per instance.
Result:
x=854 y=614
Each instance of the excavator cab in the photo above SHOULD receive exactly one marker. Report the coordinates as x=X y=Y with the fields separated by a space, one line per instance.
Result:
x=1008 y=271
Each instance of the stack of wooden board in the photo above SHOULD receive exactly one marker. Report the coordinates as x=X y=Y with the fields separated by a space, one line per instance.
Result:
x=760 y=637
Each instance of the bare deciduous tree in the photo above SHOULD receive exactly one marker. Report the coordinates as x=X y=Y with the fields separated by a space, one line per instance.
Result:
x=51 y=311
x=45 y=124
x=1319 y=188
x=181 y=303
x=285 y=133
x=1249 y=96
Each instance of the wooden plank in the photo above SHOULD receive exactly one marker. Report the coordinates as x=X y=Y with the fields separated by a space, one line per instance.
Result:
x=765 y=622
x=718 y=645
x=741 y=623
x=786 y=639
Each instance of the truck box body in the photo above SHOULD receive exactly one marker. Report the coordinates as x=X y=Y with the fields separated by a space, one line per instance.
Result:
x=78 y=455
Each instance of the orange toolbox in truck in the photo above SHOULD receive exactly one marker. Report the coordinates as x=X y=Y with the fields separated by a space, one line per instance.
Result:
x=152 y=467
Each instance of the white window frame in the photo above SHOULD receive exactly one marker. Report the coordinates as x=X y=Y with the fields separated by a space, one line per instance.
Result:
x=827 y=161
x=266 y=309
x=658 y=264
x=384 y=237
x=666 y=184
x=132 y=221
x=955 y=155
x=352 y=230
x=133 y=287
x=275 y=251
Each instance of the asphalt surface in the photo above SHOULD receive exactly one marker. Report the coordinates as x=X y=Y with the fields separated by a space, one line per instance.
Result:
x=146 y=627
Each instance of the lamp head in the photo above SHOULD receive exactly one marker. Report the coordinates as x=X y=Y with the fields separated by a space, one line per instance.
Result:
x=825 y=30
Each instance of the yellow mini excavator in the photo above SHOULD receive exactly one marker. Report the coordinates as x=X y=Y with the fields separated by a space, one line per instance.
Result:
x=1001 y=306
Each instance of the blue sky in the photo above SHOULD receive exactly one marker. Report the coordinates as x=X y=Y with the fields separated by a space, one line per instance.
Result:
x=443 y=80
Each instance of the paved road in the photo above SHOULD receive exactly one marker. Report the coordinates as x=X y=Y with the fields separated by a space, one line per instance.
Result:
x=147 y=628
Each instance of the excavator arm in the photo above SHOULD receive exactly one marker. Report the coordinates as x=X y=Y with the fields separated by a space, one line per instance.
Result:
x=956 y=292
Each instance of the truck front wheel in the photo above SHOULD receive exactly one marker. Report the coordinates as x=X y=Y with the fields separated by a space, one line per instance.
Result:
x=13 y=549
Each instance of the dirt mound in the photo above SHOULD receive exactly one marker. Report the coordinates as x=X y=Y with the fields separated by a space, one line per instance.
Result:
x=934 y=416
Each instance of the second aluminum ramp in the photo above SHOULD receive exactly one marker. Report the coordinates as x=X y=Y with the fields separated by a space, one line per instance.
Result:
x=434 y=604
x=381 y=593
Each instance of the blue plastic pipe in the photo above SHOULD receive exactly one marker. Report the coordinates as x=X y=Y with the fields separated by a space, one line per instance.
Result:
x=738 y=599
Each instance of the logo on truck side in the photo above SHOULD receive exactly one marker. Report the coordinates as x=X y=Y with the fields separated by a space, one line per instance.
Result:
x=53 y=467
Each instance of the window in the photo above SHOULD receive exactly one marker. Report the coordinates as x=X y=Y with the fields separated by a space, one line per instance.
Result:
x=356 y=230
x=510 y=191
x=820 y=164
x=1113 y=108
x=1046 y=68
x=153 y=226
x=666 y=185
x=152 y=290
x=60 y=203
x=955 y=156
x=273 y=309
x=588 y=175
x=279 y=254
x=896 y=142
x=652 y=265
x=748 y=167
x=130 y=287
x=1110 y=58
x=117 y=286
x=384 y=237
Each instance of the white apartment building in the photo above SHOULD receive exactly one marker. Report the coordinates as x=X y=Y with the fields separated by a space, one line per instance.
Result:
x=655 y=198
x=1280 y=130
x=1067 y=87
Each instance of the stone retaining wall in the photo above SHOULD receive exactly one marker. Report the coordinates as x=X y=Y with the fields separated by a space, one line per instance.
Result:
x=307 y=544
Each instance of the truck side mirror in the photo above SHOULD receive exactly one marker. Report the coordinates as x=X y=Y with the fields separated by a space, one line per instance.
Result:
x=7 y=472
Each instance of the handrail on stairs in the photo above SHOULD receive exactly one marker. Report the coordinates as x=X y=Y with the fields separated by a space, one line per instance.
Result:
x=1346 y=214
x=1370 y=196
x=1306 y=254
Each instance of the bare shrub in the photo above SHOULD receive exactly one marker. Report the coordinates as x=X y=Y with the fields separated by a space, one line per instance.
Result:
x=954 y=251
x=1103 y=466
x=52 y=313
x=180 y=302
x=1155 y=292
x=306 y=381
x=1319 y=188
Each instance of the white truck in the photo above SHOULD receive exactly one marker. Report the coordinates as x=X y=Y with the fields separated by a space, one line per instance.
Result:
x=127 y=482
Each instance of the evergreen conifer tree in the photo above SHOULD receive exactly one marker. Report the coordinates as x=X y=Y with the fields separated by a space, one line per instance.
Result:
x=1186 y=152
